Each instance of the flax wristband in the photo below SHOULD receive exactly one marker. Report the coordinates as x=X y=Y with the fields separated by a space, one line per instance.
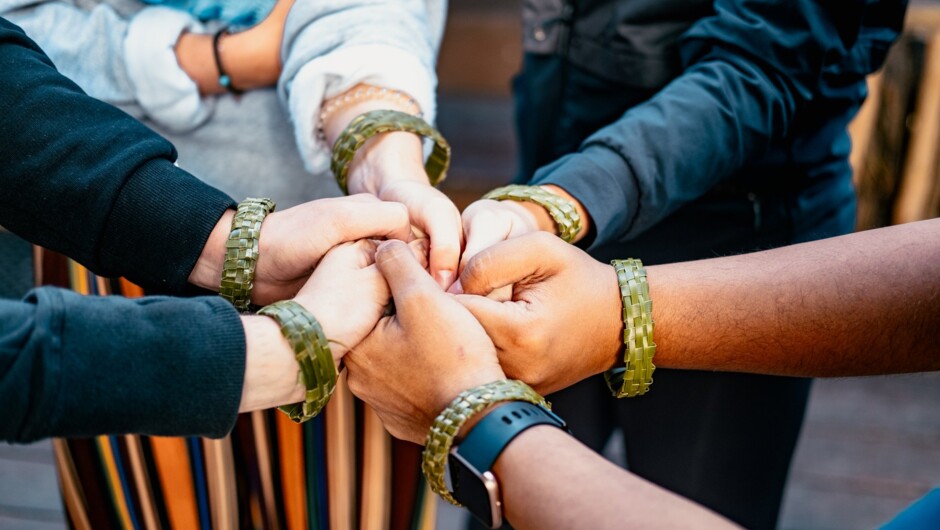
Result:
x=369 y=124
x=312 y=351
x=635 y=378
x=561 y=209
x=241 y=252
x=448 y=423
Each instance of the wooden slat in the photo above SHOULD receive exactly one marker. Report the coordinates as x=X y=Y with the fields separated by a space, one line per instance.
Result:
x=920 y=170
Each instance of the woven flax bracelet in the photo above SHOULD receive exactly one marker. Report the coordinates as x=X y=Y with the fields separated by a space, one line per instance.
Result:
x=635 y=378
x=241 y=252
x=561 y=209
x=367 y=125
x=448 y=423
x=312 y=351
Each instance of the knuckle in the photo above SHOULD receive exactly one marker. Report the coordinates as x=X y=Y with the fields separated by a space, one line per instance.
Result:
x=474 y=274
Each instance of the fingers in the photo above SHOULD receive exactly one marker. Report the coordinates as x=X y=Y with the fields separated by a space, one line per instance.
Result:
x=482 y=229
x=497 y=318
x=363 y=218
x=512 y=261
x=413 y=290
x=442 y=224
x=419 y=247
x=355 y=255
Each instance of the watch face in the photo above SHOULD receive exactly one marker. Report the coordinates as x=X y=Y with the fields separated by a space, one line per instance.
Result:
x=479 y=492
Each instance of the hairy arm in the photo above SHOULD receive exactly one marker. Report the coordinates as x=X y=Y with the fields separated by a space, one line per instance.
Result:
x=862 y=304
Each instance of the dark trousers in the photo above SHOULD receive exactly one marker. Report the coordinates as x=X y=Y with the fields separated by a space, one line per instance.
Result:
x=723 y=440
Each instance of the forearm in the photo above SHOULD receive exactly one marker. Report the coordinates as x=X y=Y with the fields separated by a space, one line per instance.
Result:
x=861 y=304
x=271 y=371
x=749 y=68
x=545 y=467
x=250 y=58
x=87 y=180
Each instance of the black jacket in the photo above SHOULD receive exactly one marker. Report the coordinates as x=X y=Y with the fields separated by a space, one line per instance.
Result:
x=640 y=107
x=81 y=177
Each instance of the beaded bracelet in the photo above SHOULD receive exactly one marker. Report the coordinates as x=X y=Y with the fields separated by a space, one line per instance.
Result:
x=561 y=209
x=225 y=80
x=241 y=252
x=448 y=423
x=369 y=124
x=312 y=351
x=362 y=93
x=635 y=378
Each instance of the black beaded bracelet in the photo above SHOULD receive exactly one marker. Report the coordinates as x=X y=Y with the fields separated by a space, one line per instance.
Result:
x=224 y=79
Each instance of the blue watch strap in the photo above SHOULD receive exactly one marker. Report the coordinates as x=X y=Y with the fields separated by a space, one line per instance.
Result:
x=488 y=438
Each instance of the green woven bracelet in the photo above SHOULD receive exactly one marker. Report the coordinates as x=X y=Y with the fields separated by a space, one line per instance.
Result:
x=241 y=252
x=448 y=423
x=367 y=125
x=561 y=209
x=635 y=378
x=312 y=350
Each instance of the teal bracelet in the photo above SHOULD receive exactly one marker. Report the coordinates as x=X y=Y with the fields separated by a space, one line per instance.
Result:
x=635 y=378
x=241 y=252
x=313 y=354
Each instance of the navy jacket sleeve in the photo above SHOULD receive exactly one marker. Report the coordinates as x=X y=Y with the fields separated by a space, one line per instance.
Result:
x=748 y=68
x=74 y=365
x=85 y=179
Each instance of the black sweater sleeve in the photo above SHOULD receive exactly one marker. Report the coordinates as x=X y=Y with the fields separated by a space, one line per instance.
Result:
x=74 y=365
x=85 y=179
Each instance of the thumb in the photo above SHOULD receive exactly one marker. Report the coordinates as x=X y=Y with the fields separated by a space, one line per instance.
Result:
x=512 y=261
x=499 y=319
x=401 y=269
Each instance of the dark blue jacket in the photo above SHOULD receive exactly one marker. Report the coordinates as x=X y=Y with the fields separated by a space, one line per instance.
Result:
x=639 y=107
x=83 y=178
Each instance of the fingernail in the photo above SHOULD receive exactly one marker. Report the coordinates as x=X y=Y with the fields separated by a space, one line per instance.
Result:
x=456 y=288
x=445 y=278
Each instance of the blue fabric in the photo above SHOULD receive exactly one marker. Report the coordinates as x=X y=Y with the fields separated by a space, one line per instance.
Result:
x=233 y=12
x=764 y=97
x=924 y=513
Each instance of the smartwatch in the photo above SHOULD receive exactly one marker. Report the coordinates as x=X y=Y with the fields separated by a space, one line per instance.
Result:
x=470 y=462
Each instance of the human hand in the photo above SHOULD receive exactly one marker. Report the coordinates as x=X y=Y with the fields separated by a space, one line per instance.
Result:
x=391 y=166
x=293 y=241
x=487 y=222
x=437 y=218
x=347 y=294
x=416 y=362
x=563 y=323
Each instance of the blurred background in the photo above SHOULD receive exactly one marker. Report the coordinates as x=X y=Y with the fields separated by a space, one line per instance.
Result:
x=869 y=445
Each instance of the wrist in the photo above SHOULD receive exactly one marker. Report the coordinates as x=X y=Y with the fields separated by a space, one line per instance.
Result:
x=331 y=329
x=208 y=268
x=537 y=215
x=609 y=353
x=582 y=212
x=248 y=65
x=195 y=57
x=270 y=367
x=386 y=160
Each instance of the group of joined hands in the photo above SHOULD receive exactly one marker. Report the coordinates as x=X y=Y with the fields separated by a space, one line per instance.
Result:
x=476 y=298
